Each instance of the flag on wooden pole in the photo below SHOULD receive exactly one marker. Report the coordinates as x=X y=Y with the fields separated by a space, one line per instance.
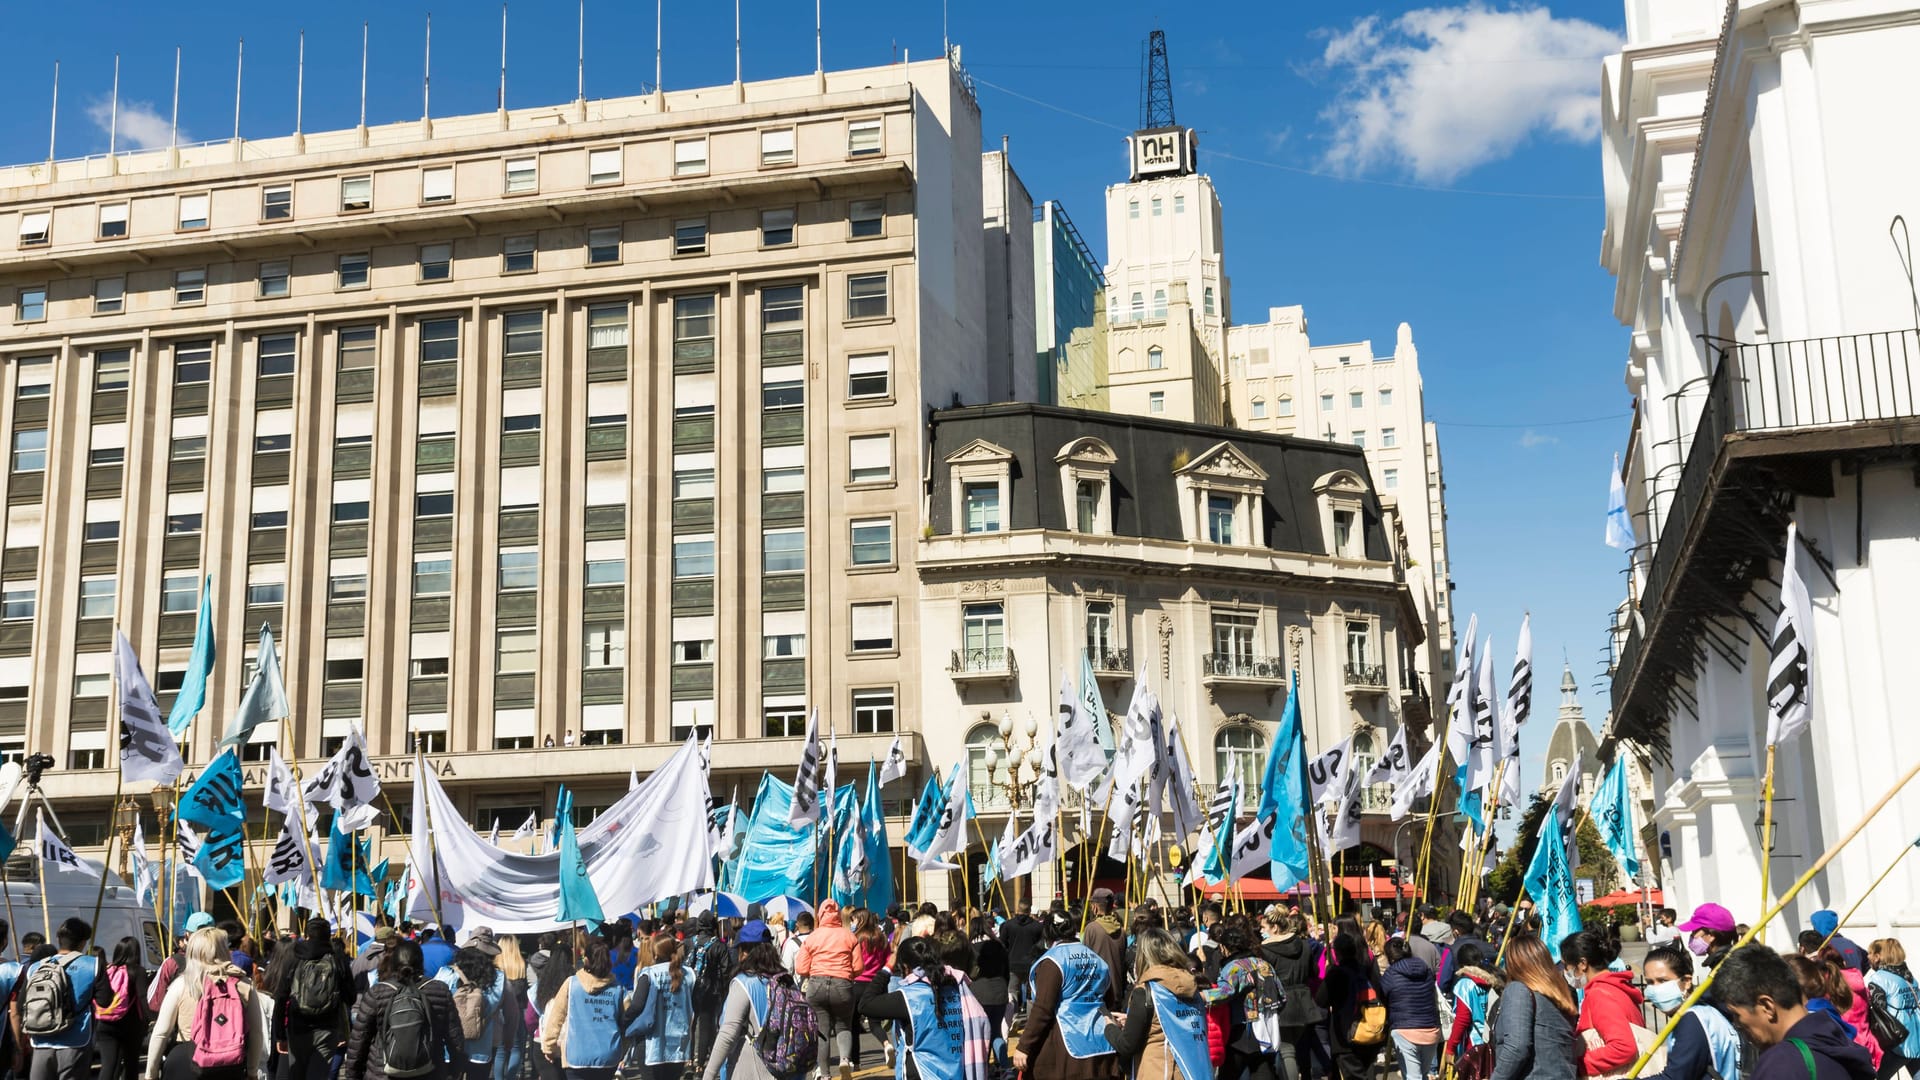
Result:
x=1790 y=668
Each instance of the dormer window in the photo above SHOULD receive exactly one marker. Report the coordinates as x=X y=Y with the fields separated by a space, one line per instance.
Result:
x=1220 y=498
x=1086 y=484
x=980 y=476
x=1341 y=496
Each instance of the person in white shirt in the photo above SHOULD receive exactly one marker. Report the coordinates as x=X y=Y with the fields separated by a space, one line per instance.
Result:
x=1662 y=931
x=790 y=949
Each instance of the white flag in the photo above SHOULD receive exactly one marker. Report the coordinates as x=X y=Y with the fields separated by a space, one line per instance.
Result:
x=830 y=784
x=145 y=874
x=951 y=834
x=347 y=784
x=1484 y=707
x=493 y=836
x=1393 y=764
x=706 y=757
x=289 y=859
x=1126 y=814
x=1344 y=831
x=1460 y=700
x=1565 y=802
x=1327 y=773
x=187 y=846
x=1030 y=850
x=528 y=828
x=1252 y=847
x=147 y=749
x=1183 y=793
x=1410 y=786
x=633 y=779
x=1619 y=525
x=1790 y=669
x=1135 y=754
x=1519 y=707
x=55 y=850
x=895 y=767
x=806 y=782
x=266 y=697
x=1076 y=745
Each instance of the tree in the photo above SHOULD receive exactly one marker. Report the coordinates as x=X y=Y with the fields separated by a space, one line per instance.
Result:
x=1505 y=881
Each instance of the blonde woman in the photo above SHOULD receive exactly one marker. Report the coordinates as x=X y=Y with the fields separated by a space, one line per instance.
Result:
x=513 y=1009
x=209 y=969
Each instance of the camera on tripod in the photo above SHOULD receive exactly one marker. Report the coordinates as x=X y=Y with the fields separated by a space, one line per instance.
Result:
x=34 y=765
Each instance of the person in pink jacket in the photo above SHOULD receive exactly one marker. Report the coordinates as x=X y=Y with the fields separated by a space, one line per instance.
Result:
x=827 y=965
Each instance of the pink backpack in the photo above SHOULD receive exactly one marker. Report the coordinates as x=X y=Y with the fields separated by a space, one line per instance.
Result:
x=219 y=1026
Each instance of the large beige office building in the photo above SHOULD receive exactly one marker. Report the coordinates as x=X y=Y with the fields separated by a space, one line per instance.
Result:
x=541 y=438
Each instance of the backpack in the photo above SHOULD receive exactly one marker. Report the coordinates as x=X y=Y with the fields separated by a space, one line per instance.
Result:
x=788 y=1041
x=1265 y=1001
x=47 y=1006
x=470 y=1005
x=712 y=969
x=315 y=991
x=219 y=1026
x=406 y=1033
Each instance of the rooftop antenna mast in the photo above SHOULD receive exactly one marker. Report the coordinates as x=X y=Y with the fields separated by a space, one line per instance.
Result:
x=1156 y=84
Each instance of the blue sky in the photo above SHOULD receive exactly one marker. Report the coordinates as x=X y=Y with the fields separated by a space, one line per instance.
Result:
x=1371 y=160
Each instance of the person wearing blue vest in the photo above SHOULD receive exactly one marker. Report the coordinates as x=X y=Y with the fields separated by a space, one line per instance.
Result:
x=67 y=1054
x=1065 y=1036
x=670 y=1040
x=1704 y=1043
x=745 y=1014
x=940 y=1030
x=478 y=988
x=1164 y=1036
x=1890 y=983
x=586 y=1023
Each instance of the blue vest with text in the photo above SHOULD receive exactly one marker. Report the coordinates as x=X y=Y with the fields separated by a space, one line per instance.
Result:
x=593 y=1026
x=938 y=1035
x=1183 y=1021
x=1082 y=1012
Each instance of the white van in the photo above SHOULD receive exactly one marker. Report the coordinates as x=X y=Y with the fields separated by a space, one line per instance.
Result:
x=122 y=915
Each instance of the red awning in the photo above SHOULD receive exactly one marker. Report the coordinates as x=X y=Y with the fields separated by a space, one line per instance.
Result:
x=1631 y=897
x=1357 y=886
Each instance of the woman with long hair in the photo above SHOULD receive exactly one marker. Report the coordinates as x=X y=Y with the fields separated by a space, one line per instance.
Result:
x=1164 y=1031
x=1533 y=1037
x=1610 y=1008
x=748 y=1011
x=1295 y=958
x=118 y=1027
x=1470 y=1040
x=1855 y=1012
x=403 y=967
x=937 y=1021
x=1891 y=985
x=545 y=986
x=1344 y=990
x=871 y=951
x=584 y=1029
x=512 y=966
x=209 y=969
x=1243 y=970
x=670 y=1043
x=473 y=969
x=1827 y=992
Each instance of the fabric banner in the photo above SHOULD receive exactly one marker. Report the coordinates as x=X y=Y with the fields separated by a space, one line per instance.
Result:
x=147 y=749
x=950 y=835
x=1416 y=782
x=266 y=696
x=193 y=689
x=1549 y=881
x=288 y=862
x=1075 y=743
x=220 y=860
x=649 y=846
x=1612 y=809
x=1326 y=774
x=779 y=858
x=896 y=766
x=346 y=783
x=1183 y=797
x=1790 y=663
x=213 y=800
x=55 y=850
x=805 y=806
x=578 y=903
x=1283 y=796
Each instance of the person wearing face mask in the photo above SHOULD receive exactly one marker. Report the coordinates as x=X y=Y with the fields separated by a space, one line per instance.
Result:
x=1609 y=1005
x=1763 y=996
x=1711 y=933
x=1704 y=1043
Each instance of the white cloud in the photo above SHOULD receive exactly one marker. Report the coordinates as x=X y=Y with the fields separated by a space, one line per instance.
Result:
x=1439 y=91
x=1531 y=438
x=139 y=124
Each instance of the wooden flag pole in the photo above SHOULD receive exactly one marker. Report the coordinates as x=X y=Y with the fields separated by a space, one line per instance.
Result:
x=1891 y=867
x=1766 y=843
x=106 y=854
x=1706 y=982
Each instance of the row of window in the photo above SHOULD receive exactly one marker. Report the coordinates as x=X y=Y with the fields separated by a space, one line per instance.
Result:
x=1137 y=306
x=520 y=176
x=1283 y=405
x=1133 y=206
x=866 y=293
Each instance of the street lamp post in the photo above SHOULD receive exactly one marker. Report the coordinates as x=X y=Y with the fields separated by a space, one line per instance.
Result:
x=1014 y=762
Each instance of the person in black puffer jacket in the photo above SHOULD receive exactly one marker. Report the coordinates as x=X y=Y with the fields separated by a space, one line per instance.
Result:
x=1295 y=958
x=1413 y=1012
x=365 y=1060
x=305 y=1041
x=1025 y=938
x=1340 y=992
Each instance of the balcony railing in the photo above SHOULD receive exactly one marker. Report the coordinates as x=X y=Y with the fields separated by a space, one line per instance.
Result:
x=1111 y=662
x=1824 y=385
x=981 y=664
x=1244 y=666
x=1366 y=676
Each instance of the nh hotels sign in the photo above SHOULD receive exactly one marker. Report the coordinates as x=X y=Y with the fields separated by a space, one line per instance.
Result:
x=1162 y=152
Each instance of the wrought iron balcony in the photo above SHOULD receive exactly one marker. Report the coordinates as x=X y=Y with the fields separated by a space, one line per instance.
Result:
x=1773 y=417
x=983 y=664
x=1366 y=677
x=1243 y=667
x=1111 y=663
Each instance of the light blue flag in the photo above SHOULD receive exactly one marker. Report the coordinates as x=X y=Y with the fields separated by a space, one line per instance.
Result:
x=1619 y=523
x=1550 y=882
x=344 y=869
x=1283 y=795
x=1093 y=704
x=1214 y=866
x=212 y=801
x=193 y=691
x=220 y=860
x=878 y=895
x=1612 y=810
x=1472 y=804
x=925 y=822
x=578 y=903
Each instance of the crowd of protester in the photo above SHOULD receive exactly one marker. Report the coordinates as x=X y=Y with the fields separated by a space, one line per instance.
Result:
x=1082 y=992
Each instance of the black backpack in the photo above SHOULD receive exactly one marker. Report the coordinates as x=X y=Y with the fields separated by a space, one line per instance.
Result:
x=712 y=970
x=406 y=1033
x=315 y=990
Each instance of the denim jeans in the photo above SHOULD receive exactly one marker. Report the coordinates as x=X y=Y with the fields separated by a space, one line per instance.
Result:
x=1416 y=1062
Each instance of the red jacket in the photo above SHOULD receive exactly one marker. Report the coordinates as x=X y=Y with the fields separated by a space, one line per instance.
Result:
x=1611 y=1006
